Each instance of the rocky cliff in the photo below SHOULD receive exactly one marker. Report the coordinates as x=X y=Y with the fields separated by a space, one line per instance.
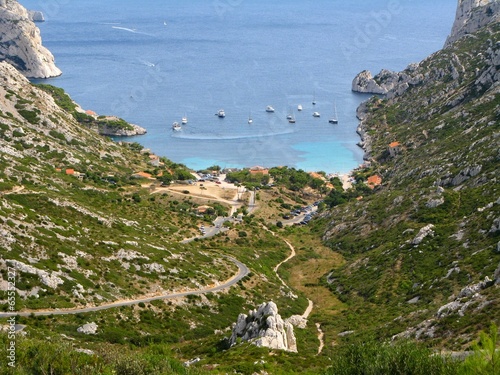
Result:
x=428 y=238
x=21 y=44
x=265 y=327
x=472 y=15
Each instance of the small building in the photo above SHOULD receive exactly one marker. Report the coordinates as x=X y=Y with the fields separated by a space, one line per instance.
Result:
x=394 y=149
x=202 y=209
x=142 y=175
x=154 y=160
x=259 y=170
x=374 y=181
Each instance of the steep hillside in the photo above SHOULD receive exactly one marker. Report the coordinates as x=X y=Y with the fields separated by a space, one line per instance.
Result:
x=75 y=223
x=423 y=249
x=78 y=229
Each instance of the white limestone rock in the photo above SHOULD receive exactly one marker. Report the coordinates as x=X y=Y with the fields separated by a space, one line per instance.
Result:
x=50 y=279
x=21 y=44
x=365 y=83
x=422 y=234
x=264 y=327
x=36 y=16
x=88 y=329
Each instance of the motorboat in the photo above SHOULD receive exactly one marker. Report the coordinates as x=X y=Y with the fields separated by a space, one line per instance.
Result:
x=269 y=109
x=316 y=114
x=221 y=113
x=176 y=127
x=184 y=120
x=299 y=107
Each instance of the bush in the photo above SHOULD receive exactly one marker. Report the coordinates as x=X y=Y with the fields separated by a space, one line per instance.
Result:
x=373 y=358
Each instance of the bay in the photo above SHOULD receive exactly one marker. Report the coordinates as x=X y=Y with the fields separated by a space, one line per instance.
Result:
x=154 y=61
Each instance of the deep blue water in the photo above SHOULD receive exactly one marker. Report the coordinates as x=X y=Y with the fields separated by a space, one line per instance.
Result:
x=152 y=62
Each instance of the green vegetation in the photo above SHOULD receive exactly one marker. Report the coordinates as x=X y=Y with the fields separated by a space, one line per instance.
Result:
x=64 y=101
x=71 y=209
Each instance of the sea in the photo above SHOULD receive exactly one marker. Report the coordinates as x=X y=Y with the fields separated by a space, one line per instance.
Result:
x=152 y=62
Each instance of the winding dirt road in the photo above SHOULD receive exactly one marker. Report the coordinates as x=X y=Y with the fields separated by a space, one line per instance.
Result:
x=242 y=272
x=311 y=304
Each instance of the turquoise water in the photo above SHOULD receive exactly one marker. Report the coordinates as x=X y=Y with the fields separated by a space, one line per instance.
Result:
x=153 y=62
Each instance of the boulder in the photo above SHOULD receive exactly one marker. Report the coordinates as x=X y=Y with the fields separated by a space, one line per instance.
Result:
x=88 y=329
x=423 y=233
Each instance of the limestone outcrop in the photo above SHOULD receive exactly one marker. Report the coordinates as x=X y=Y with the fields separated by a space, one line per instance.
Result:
x=21 y=44
x=387 y=82
x=111 y=131
x=471 y=16
x=36 y=16
x=264 y=327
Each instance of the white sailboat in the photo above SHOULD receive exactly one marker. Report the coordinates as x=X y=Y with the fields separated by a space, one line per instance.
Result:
x=334 y=118
x=250 y=118
x=314 y=98
x=184 y=120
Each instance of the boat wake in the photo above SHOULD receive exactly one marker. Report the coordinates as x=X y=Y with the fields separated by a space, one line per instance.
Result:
x=134 y=31
x=215 y=137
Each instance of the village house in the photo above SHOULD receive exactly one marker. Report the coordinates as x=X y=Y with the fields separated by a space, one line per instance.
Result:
x=394 y=149
x=202 y=209
x=259 y=169
x=142 y=175
x=374 y=181
x=154 y=160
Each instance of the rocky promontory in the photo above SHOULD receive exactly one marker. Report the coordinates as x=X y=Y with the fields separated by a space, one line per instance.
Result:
x=21 y=44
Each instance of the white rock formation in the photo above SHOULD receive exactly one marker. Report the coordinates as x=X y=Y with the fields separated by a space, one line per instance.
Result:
x=265 y=327
x=36 y=16
x=423 y=233
x=471 y=16
x=49 y=279
x=21 y=44
x=88 y=329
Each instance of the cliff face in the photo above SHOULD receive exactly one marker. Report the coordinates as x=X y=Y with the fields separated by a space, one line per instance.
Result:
x=21 y=44
x=471 y=16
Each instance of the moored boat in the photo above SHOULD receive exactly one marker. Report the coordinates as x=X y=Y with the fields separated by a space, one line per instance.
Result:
x=221 y=113
x=176 y=127
x=316 y=114
x=269 y=109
